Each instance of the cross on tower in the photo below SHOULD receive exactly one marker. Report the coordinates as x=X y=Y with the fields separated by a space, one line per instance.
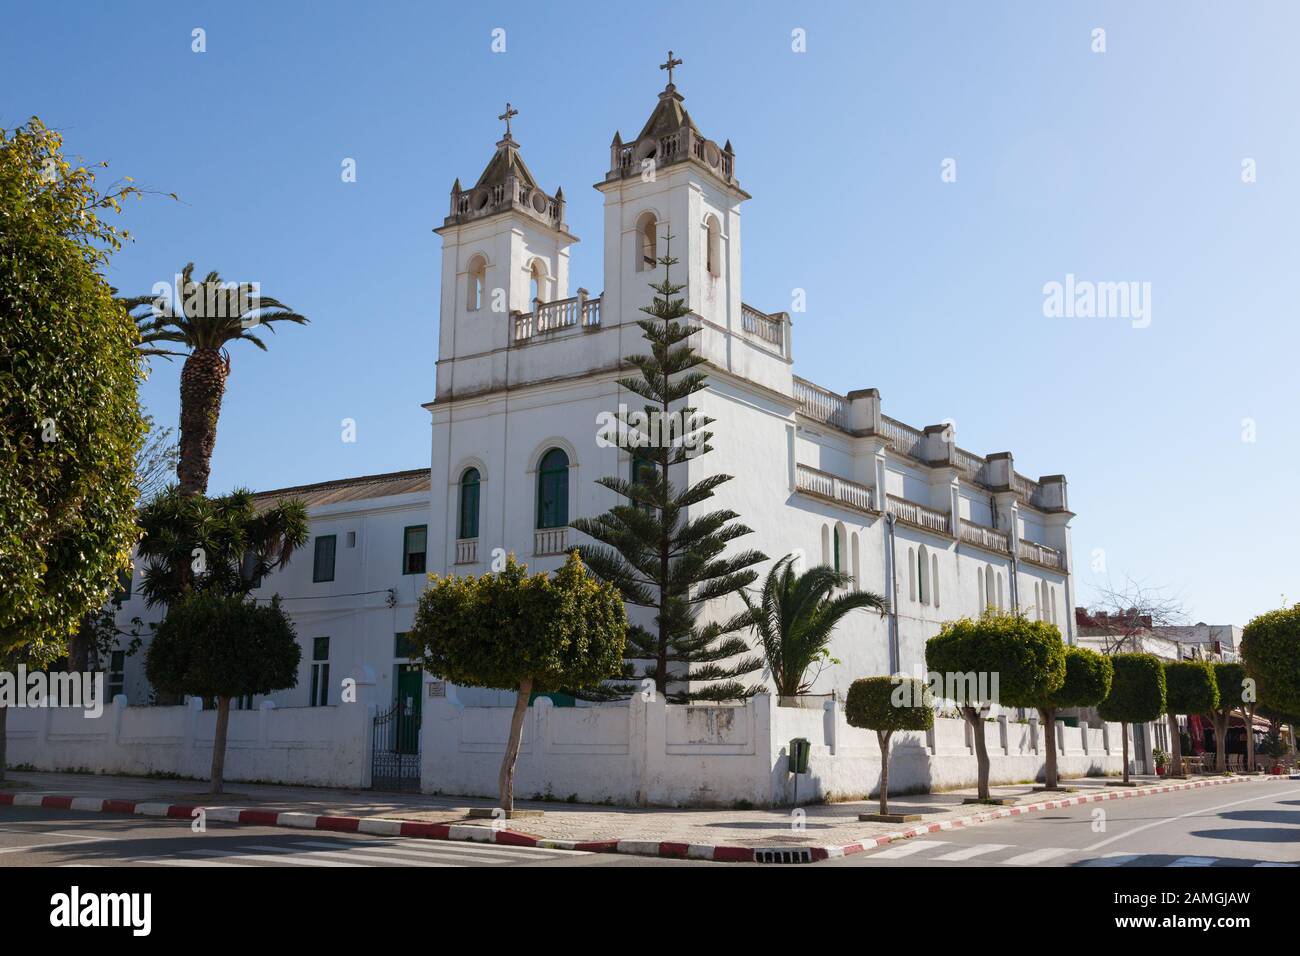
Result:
x=506 y=116
x=669 y=66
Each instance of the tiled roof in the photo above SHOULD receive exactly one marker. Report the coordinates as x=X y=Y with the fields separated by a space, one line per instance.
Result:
x=352 y=489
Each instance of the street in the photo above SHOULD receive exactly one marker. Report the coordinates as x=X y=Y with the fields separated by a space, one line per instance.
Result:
x=1256 y=825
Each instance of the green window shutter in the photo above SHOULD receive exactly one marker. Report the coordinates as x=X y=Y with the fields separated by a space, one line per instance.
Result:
x=323 y=565
x=469 y=498
x=553 y=490
x=414 y=545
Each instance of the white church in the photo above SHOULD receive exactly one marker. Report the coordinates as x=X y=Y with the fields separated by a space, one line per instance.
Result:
x=527 y=366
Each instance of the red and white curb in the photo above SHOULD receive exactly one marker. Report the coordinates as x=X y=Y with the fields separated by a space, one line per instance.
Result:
x=380 y=826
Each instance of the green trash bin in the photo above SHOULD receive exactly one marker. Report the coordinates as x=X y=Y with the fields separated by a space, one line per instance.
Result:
x=798 y=755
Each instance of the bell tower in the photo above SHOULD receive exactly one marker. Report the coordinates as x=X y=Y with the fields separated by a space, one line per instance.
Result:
x=504 y=246
x=672 y=180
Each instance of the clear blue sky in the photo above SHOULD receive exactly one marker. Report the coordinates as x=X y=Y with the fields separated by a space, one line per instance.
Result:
x=1118 y=166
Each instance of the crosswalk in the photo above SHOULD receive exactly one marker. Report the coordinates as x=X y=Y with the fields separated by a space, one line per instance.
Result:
x=924 y=852
x=353 y=853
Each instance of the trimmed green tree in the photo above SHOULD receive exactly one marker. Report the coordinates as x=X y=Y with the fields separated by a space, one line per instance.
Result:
x=658 y=547
x=1088 y=675
x=1270 y=648
x=795 y=617
x=1230 y=678
x=70 y=422
x=526 y=633
x=217 y=646
x=886 y=705
x=1190 y=688
x=1137 y=694
x=1000 y=659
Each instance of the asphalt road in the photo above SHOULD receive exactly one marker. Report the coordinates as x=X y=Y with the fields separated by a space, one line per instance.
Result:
x=1256 y=824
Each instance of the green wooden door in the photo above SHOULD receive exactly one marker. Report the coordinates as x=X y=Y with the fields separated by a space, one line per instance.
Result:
x=410 y=681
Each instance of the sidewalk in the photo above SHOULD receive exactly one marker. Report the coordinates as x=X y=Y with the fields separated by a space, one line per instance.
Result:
x=818 y=831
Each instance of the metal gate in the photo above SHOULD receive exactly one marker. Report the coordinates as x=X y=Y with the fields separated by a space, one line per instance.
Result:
x=395 y=750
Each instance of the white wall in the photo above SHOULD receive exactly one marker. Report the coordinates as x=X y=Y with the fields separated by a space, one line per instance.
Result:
x=652 y=753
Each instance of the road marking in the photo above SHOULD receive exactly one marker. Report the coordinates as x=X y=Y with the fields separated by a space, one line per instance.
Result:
x=326 y=858
x=276 y=857
x=1271 y=863
x=907 y=849
x=1113 y=859
x=456 y=853
x=1035 y=857
x=37 y=847
x=970 y=852
x=1194 y=861
x=168 y=861
x=1183 y=816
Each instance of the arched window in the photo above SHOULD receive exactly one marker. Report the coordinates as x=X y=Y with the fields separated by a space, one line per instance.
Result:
x=1051 y=604
x=826 y=544
x=923 y=575
x=1038 y=601
x=835 y=547
x=934 y=579
x=713 y=246
x=476 y=284
x=1001 y=606
x=553 y=490
x=911 y=574
x=647 y=240
x=857 y=563
x=469 y=484
x=536 y=281
x=990 y=591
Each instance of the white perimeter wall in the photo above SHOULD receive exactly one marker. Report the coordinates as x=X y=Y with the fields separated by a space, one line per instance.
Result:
x=649 y=753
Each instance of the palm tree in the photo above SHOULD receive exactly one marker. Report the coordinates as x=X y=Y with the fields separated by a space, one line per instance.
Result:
x=226 y=544
x=211 y=314
x=795 y=617
x=151 y=325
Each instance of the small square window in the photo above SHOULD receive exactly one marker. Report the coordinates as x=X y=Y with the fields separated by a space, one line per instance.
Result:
x=403 y=649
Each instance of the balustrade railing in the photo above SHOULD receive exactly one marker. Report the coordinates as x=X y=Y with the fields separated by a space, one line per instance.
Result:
x=467 y=551
x=825 y=485
x=1042 y=554
x=821 y=404
x=561 y=314
x=984 y=536
x=769 y=328
x=918 y=514
x=905 y=439
x=550 y=541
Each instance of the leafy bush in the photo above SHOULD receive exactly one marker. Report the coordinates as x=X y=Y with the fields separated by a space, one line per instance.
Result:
x=1270 y=646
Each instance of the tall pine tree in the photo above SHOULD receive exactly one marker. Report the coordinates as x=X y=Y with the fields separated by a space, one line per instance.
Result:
x=657 y=546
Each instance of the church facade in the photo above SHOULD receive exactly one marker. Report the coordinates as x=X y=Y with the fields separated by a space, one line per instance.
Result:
x=526 y=382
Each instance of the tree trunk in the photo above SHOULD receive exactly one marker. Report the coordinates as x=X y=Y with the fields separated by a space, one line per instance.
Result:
x=883 y=736
x=1123 y=732
x=219 y=745
x=1248 y=718
x=972 y=716
x=1220 y=718
x=506 y=781
x=203 y=383
x=1050 y=781
x=1175 y=747
x=4 y=741
x=79 y=647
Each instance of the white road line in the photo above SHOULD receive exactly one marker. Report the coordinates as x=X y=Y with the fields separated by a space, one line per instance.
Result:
x=36 y=847
x=1270 y=795
x=907 y=849
x=168 y=861
x=425 y=854
x=970 y=852
x=1034 y=857
x=276 y=857
x=1194 y=861
x=1271 y=863
x=1113 y=859
x=492 y=851
x=327 y=857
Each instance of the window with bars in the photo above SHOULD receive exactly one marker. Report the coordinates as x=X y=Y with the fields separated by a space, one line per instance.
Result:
x=320 y=672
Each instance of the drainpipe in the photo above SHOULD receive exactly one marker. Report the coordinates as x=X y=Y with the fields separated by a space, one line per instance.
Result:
x=894 y=655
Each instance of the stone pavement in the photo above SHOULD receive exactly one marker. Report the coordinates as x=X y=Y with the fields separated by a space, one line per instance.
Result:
x=817 y=825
